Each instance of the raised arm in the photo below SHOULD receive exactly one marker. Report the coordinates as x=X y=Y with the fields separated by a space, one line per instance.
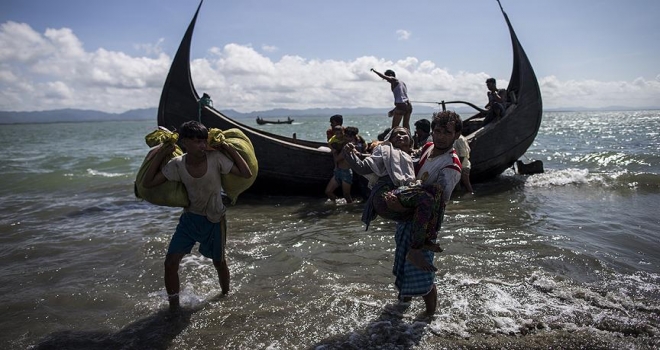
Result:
x=383 y=76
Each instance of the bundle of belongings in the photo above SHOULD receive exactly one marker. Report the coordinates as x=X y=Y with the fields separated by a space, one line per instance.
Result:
x=173 y=193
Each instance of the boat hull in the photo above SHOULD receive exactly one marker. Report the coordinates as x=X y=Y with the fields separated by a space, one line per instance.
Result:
x=299 y=167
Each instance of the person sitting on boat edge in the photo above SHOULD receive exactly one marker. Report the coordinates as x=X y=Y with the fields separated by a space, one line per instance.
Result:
x=439 y=164
x=204 y=220
x=496 y=99
x=204 y=101
x=335 y=120
x=342 y=175
x=393 y=173
x=402 y=106
x=422 y=133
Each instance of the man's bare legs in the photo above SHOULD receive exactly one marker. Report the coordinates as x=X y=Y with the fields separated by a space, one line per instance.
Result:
x=223 y=275
x=346 y=190
x=406 y=120
x=465 y=180
x=396 y=118
x=172 y=262
x=330 y=189
x=431 y=301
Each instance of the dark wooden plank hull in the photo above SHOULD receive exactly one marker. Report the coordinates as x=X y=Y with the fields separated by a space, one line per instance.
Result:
x=292 y=166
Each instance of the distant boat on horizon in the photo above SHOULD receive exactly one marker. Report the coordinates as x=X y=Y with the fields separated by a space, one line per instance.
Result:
x=262 y=121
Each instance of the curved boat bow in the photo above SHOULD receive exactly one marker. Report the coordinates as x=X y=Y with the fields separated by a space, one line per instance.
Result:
x=497 y=146
x=293 y=166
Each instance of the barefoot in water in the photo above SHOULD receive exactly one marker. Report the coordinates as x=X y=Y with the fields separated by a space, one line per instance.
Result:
x=416 y=257
x=173 y=299
x=434 y=247
x=431 y=301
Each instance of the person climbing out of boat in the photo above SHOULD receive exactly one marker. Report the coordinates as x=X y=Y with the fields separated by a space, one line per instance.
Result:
x=204 y=101
x=342 y=175
x=496 y=99
x=335 y=120
x=422 y=133
x=204 y=220
x=463 y=150
x=392 y=174
x=439 y=164
x=402 y=106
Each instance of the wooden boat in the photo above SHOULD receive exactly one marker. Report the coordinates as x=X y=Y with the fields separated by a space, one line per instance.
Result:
x=498 y=145
x=262 y=121
x=299 y=167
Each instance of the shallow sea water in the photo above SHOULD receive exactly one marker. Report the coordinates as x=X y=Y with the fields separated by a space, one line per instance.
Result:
x=564 y=259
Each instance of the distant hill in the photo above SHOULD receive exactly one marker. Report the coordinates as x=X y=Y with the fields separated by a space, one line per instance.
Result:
x=80 y=115
x=74 y=115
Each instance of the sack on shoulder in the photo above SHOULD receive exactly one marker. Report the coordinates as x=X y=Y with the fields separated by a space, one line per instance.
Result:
x=234 y=185
x=170 y=193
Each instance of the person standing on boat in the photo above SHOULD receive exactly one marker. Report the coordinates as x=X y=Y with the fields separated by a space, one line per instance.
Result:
x=204 y=219
x=439 y=164
x=495 y=105
x=402 y=106
x=204 y=101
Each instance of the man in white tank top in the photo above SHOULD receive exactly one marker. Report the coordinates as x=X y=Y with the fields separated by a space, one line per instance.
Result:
x=402 y=106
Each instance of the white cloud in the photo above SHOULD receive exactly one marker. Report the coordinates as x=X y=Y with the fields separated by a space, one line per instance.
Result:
x=269 y=48
x=596 y=94
x=402 y=34
x=52 y=70
x=19 y=42
x=151 y=49
x=66 y=42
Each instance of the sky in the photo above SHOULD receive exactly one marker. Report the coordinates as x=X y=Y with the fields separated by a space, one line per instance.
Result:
x=251 y=55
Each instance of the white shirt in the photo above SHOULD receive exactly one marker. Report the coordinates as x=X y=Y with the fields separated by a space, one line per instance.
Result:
x=400 y=92
x=204 y=193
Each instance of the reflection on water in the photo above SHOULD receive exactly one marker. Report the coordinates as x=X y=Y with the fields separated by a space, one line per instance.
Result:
x=564 y=259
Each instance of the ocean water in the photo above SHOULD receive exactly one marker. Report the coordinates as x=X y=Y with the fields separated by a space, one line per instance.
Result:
x=565 y=259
